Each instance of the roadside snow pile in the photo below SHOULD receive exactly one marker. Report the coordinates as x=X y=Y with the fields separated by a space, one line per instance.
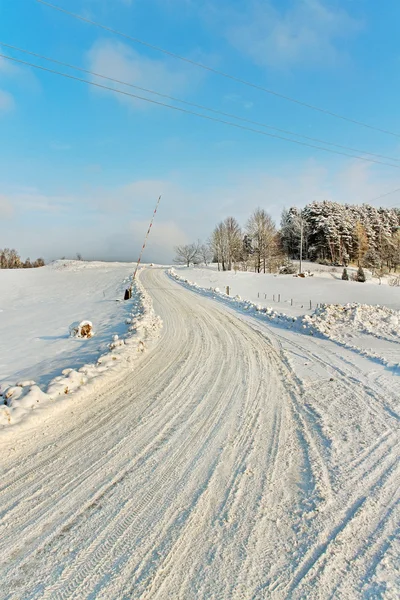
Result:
x=339 y=323
x=18 y=400
x=344 y=321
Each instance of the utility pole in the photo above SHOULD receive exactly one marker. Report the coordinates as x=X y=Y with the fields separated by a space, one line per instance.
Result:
x=301 y=243
x=143 y=247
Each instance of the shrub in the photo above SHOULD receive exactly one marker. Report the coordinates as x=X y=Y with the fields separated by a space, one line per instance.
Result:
x=360 y=277
x=288 y=268
x=345 y=275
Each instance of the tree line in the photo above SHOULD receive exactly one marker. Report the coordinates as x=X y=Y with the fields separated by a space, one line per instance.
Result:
x=343 y=233
x=324 y=232
x=10 y=259
x=256 y=246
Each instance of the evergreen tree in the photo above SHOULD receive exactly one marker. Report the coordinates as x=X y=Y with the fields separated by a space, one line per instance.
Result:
x=360 y=275
x=345 y=275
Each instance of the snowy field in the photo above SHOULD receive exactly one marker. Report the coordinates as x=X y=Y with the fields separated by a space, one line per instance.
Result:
x=324 y=287
x=37 y=308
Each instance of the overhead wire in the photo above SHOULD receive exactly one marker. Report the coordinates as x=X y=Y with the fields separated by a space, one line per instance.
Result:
x=217 y=71
x=191 y=112
x=386 y=194
x=193 y=104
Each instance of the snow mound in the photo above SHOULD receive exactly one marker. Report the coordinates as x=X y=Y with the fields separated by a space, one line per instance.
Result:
x=345 y=320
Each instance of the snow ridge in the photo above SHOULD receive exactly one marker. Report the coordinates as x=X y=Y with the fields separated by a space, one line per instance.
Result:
x=18 y=400
x=336 y=322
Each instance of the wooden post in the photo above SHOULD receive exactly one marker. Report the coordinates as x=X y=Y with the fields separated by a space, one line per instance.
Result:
x=274 y=297
x=310 y=305
x=279 y=297
x=258 y=294
x=265 y=296
x=227 y=290
x=291 y=302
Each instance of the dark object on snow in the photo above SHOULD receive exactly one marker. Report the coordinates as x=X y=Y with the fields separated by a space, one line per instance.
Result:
x=345 y=275
x=360 y=275
x=128 y=294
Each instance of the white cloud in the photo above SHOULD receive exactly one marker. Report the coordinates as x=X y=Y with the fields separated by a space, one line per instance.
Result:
x=120 y=61
x=110 y=223
x=6 y=101
x=304 y=33
x=6 y=208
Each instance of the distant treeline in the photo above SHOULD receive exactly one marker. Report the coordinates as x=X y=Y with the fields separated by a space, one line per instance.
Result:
x=327 y=232
x=10 y=259
x=343 y=233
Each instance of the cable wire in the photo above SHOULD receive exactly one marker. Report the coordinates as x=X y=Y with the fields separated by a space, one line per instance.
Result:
x=191 y=112
x=195 y=105
x=384 y=195
x=217 y=71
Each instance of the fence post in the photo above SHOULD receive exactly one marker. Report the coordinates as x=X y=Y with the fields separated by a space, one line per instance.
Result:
x=291 y=302
x=279 y=297
x=265 y=296
x=310 y=305
x=227 y=290
x=274 y=297
x=258 y=294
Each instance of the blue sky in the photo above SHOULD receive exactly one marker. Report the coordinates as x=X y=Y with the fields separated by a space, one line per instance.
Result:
x=81 y=168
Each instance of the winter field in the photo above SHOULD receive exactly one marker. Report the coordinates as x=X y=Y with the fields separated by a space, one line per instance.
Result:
x=222 y=447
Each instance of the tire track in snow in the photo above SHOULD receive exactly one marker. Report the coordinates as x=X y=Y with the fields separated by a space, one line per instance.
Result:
x=217 y=481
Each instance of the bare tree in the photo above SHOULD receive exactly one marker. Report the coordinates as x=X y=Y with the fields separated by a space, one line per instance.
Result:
x=226 y=243
x=234 y=242
x=218 y=246
x=262 y=231
x=205 y=253
x=186 y=254
x=361 y=241
x=10 y=259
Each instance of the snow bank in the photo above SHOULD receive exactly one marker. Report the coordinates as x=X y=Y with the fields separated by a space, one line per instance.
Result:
x=343 y=321
x=292 y=295
x=339 y=323
x=18 y=400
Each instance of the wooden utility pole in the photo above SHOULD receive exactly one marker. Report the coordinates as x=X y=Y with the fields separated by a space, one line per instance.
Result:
x=301 y=243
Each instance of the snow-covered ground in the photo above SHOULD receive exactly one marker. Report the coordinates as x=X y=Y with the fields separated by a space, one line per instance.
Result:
x=238 y=459
x=39 y=359
x=324 y=287
x=364 y=317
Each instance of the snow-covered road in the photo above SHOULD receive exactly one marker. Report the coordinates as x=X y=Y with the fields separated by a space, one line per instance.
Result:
x=210 y=471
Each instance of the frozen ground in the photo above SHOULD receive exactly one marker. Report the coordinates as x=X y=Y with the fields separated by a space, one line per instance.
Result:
x=37 y=306
x=323 y=287
x=42 y=364
x=365 y=317
x=237 y=459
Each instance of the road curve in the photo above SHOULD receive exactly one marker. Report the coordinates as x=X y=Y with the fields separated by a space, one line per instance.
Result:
x=189 y=478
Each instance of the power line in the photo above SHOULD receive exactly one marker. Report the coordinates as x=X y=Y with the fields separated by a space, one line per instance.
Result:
x=191 y=112
x=217 y=71
x=384 y=195
x=195 y=105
